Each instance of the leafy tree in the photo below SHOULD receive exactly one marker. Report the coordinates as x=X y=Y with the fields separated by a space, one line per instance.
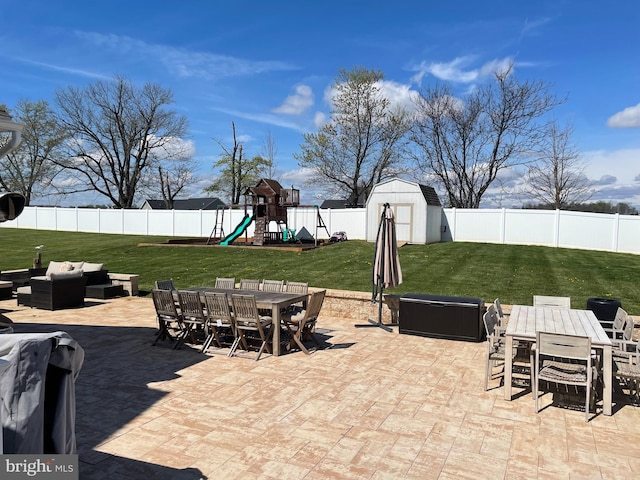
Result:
x=237 y=172
x=362 y=142
x=119 y=132
x=31 y=168
x=465 y=142
x=557 y=177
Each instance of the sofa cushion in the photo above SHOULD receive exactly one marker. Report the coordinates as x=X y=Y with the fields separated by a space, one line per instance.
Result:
x=53 y=267
x=92 y=267
x=63 y=275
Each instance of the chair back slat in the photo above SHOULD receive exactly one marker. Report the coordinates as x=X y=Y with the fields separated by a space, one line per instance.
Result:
x=249 y=284
x=620 y=319
x=228 y=283
x=565 y=346
x=627 y=333
x=191 y=305
x=490 y=319
x=217 y=308
x=272 y=285
x=164 y=303
x=555 y=302
x=297 y=287
x=316 y=300
x=245 y=310
x=165 y=284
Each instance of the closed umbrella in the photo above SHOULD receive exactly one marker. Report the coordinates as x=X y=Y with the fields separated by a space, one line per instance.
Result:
x=386 y=262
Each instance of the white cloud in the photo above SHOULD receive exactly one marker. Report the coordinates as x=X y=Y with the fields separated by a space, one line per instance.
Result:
x=398 y=94
x=263 y=118
x=69 y=70
x=627 y=118
x=182 y=62
x=297 y=103
x=319 y=119
x=458 y=70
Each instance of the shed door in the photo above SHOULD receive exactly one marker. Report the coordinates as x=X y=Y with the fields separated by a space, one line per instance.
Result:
x=403 y=213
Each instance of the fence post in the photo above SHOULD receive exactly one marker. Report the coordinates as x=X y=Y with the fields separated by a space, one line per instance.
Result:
x=556 y=233
x=616 y=232
x=503 y=224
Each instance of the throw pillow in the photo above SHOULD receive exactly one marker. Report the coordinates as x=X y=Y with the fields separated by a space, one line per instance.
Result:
x=66 y=267
x=92 y=267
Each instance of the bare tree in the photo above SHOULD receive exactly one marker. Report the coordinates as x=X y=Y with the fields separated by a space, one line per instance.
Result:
x=237 y=172
x=361 y=144
x=465 y=142
x=119 y=131
x=269 y=152
x=557 y=177
x=31 y=168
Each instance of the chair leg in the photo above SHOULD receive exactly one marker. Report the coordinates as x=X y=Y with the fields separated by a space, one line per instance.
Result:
x=183 y=336
x=487 y=373
x=207 y=343
x=234 y=345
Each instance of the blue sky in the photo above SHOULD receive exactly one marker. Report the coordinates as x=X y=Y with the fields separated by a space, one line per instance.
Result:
x=267 y=66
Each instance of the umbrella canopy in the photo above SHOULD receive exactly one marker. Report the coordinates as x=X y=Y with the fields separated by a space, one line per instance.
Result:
x=386 y=265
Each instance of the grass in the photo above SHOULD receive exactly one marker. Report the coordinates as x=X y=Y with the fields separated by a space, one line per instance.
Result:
x=514 y=273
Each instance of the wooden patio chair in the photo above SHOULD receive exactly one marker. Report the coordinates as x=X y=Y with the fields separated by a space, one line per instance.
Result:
x=555 y=302
x=624 y=342
x=193 y=315
x=301 y=326
x=626 y=367
x=228 y=283
x=564 y=360
x=165 y=284
x=296 y=287
x=170 y=324
x=522 y=352
x=219 y=320
x=615 y=328
x=248 y=321
x=249 y=284
x=502 y=318
x=495 y=344
x=272 y=285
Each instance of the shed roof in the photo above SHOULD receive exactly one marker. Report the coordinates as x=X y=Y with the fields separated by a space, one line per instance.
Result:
x=429 y=193
x=188 y=204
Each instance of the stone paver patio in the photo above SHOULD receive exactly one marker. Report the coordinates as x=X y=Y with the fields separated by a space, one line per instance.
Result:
x=369 y=405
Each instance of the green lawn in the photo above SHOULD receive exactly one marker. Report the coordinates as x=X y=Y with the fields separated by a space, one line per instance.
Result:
x=513 y=273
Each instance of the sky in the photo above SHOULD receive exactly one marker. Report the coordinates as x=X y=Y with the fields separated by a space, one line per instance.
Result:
x=268 y=67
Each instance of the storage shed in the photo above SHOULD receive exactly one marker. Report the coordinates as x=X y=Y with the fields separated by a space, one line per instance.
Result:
x=417 y=210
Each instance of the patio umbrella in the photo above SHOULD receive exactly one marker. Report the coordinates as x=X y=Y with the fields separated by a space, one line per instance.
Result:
x=386 y=262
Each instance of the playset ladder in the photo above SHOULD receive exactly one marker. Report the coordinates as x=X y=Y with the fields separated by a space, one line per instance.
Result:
x=320 y=224
x=217 y=233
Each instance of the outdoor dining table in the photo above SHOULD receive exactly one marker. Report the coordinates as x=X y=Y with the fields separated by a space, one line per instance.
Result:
x=276 y=301
x=526 y=320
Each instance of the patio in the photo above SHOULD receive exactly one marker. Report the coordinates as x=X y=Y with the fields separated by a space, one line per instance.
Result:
x=371 y=405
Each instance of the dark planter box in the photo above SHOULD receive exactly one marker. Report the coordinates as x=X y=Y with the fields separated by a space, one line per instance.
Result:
x=438 y=316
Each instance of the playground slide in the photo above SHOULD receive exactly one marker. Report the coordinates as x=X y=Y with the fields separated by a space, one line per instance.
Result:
x=239 y=230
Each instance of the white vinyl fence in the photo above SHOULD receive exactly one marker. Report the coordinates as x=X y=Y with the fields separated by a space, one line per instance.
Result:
x=553 y=228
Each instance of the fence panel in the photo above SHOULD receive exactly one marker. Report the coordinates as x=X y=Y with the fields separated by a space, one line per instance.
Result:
x=593 y=231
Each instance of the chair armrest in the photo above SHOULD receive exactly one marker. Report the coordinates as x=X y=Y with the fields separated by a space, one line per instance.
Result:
x=623 y=345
